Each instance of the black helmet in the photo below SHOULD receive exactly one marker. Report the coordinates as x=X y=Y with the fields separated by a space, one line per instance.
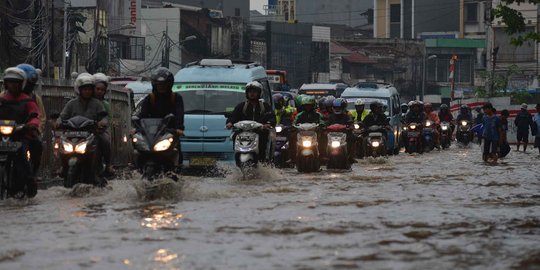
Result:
x=444 y=107
x=162 y=75
x=254 y=85
x=374 y=105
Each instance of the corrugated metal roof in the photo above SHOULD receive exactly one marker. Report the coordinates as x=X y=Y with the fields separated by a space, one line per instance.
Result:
x=359 y=59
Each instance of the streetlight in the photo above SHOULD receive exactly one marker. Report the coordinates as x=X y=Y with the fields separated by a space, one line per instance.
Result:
x=424 y=75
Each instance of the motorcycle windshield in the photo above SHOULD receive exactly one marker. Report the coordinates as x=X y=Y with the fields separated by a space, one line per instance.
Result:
x=151 y=127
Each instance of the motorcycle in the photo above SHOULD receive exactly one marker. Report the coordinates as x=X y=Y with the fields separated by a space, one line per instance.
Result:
x=155 y=146
x=375 y=144
x=307 y=148
x=446 y=135
x=281 y=150
x=338 y=156
x=76 y=144
x=358 y=133
x=246 y=144
x=414 y=138
x=428 y=135
x=11 y=173
x=464 y=135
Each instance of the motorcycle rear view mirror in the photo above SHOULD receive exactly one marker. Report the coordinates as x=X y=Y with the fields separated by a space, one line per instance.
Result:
x=135 y=118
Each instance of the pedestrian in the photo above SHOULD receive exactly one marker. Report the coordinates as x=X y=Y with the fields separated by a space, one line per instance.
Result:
x=536 y=128
x=478 y=121
x=523 y=121
x=491 y=134
x=504 y=147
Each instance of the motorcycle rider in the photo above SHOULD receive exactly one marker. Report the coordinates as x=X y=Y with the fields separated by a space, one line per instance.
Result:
x=478 y=121
x=255 y=110
x=328 y=103
x=376 y=117
x=464 y=114
x=17 y=105
x=523 y=121
x=85 y=105
x=163 y=101
x=102 y=83
x=415 y=114
x=446 y=116
x=308 y=115
x=359 y=114
x=35 y=144
x=283 y=111
x=434 y=117
x=341 y=116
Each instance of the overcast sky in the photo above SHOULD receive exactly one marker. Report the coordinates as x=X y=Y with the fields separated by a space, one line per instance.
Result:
x=258 y=5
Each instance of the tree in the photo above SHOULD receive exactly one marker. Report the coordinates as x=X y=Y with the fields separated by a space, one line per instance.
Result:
x=515 y=22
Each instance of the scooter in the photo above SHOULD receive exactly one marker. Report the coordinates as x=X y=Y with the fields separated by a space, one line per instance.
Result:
x=12 y=174
x=155 y=146
x=76 y=144
x=414 y=138
x=246 y=144
x=428 y=135
x=307 y=148
x=375 y=144
x=464 y=135
x=338 y=156
x=358 y=133
x=281 y=150
x=446 y=135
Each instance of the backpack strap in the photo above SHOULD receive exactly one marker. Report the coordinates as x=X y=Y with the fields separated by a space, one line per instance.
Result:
x=263 y=108
x=244 y=109
x=152 y=99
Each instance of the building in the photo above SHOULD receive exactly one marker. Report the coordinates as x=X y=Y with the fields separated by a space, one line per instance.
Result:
x=230 y=8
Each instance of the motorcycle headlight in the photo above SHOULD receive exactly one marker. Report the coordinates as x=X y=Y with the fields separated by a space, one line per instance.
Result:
x=163 y=145
x=81 y=147
x=463 y=123
x=375 y=144
x=428 y=124
x=356 y=126
x=68 y=147
x=444 y=127
x=413 y=126
x=335 y=144
x=279 y=129
x=404 y=128
x=6 y=130
x=306 y=143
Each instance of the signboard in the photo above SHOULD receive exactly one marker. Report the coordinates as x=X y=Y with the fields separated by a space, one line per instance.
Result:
x=274 y=78
x=210 y=86
x=133 y=12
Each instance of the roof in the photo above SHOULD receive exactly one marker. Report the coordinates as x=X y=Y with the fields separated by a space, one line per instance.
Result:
x=369 y=92
x=359 y=59
x=336 y=48
x=238 y=74
x=455 y=43
x=318 y=86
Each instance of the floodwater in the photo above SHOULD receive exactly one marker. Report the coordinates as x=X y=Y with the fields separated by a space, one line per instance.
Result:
x=441 y=210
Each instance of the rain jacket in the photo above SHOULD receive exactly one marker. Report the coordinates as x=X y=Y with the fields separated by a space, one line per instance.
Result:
x=159 y=106
x=284 y=115
x=308 y=117
x=246 y=111
x=354 y=115
x=523 y=120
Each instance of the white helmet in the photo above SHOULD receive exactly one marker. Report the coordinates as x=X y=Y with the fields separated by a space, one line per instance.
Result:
x=83 y=79
x=256 y=86
x=359 y=102
x=14 y=73
x=100 y=77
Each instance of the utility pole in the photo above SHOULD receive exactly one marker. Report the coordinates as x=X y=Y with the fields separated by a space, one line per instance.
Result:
x=65 y=41
x=166 y=47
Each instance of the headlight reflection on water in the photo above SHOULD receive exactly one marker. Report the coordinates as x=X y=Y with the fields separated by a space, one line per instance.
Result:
x=165 y=256
x=159 y=218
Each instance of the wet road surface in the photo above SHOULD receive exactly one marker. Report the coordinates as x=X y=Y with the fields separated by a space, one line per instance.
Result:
x=443 y=210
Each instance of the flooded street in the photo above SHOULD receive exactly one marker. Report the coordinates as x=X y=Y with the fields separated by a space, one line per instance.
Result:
x=434 y=211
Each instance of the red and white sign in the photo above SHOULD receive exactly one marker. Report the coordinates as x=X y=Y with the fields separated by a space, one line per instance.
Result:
x=133 y=8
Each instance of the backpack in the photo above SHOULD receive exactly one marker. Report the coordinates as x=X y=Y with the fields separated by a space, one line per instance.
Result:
x=261 y=104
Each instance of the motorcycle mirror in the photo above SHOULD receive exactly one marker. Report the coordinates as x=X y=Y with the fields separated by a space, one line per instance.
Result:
x=135 y=118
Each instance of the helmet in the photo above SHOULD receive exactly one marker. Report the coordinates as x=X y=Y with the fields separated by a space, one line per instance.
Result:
x=279 y=100
x=444 y=107
x=375 y=104
x=464 y=107
x=478 y=109
x=162 y=75
x=308 y=100
x=298 y=100
x=329 y=102
x=411 y=103
x=321 y=103
x=428 y=105
x=15 y=74
x=338 y=105
x=32 y=76
x=254 y=85
x=82 y=80
x=101 y=78
x=358 y=102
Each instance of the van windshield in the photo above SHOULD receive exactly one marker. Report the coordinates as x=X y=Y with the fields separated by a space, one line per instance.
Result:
x=210 y=98
x=367 y=101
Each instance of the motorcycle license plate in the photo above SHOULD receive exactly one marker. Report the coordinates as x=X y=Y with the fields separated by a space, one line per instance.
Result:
x=9 y=146
x=202 y=161
x=412 y=133
x=281 y=139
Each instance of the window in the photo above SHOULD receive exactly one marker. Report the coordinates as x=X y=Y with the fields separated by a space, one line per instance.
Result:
x=471 y=12
x=237 y=12
x=136 y=48
x=395 y=13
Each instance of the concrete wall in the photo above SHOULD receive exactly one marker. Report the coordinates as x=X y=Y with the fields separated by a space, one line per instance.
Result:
x=436 y=16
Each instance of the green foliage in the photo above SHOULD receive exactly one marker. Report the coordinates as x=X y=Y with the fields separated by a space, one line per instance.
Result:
x=521 y=96
x=515 y=22
x=500 y=82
